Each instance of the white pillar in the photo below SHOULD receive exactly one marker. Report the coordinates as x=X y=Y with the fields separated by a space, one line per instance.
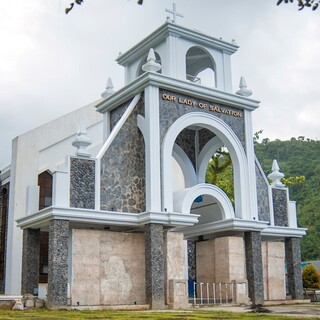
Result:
x=252 y=182
x=152 y=149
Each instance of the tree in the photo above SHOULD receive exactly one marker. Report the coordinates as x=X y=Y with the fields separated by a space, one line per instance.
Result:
x=310 y=277
x=220 y=172
x=79 y=2
x=312 y=4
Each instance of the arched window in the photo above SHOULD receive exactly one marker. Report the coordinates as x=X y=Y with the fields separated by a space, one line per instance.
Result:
x=45 y=184
x=144 y=61
x=200 y=67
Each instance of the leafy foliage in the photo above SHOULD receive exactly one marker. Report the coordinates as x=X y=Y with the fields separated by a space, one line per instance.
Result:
x=299 y=158
x=80 y=2
x=310 y=277
x=220 y=172
x=312 y=4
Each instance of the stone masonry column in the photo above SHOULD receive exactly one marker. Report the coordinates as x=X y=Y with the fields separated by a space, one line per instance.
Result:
x=154 y=261
x=58 y=263
x=254 y=266
x=293 y=259
x=30 y=260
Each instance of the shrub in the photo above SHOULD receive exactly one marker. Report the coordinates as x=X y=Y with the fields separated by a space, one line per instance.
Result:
x=310 y=277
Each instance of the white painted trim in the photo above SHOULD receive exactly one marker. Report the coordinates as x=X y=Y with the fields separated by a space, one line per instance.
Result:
x=118 y=126
x=228 y=138
x=232 y=224
x=204 y=157
x=94 y=217
x=269 y=191
x=152 y=148
x=173 y=29
x=183 y=200
x=186 y=166
x=178 y=85
x=252 y=179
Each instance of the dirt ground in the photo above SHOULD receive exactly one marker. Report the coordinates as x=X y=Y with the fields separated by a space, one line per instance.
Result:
x=311 y=310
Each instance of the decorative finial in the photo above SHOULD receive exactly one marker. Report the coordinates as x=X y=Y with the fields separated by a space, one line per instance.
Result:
x=109 y=89
x=233 y=41
x=81 y=142
x=243 y=88
x=174 y=13
x=276 y=175
x=151 y=64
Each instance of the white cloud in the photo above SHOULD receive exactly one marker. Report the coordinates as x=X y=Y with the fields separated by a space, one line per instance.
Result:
x=51 y=63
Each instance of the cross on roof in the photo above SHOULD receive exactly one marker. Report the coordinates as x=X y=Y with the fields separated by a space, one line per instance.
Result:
x=174 y=13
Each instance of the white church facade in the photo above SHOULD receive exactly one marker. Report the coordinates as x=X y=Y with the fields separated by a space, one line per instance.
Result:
x=118 y=212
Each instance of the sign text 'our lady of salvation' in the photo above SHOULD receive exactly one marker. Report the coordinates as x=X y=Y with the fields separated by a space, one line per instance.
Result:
x=201 y=105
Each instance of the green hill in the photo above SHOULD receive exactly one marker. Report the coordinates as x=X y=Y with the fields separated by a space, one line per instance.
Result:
x=299 y=157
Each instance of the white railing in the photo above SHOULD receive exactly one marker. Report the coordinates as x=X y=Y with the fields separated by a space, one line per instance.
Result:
x=210 y=293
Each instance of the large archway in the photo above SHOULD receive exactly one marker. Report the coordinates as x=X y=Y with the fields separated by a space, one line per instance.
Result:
x=225 y=136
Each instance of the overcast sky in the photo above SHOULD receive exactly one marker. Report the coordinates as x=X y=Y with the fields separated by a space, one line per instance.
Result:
x=52 y=63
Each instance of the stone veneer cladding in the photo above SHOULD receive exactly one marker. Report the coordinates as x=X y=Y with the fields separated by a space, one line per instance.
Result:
x=280 y=207
x=58 y=263
x=30 y=260
x=170 y=111
x=192 y=259
x=254 y=266
x=205 y=136
x=4 y=208
x=262 y=196
x=155 y=267
x=186 y=141
x=123 y=165
x=293 y=260
x=82 y=183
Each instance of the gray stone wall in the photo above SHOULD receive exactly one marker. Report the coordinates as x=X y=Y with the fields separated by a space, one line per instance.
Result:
x=4 y=208
x=186 y=141
x=30 y=260
x=254 y=266
x=280 y=207
x=170 y=111
x=187 y=138
x=155 y=267
x=192 y=260
x=82 y=183
x=205 y=136
x=293 y=259
x=123 y=166
x=58 y=263
x=262 y=196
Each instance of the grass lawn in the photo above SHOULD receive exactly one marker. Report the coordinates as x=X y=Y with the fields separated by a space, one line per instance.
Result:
x=44 y=314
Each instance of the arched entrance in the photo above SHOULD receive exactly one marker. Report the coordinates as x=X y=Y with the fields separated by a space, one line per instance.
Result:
x=223 y=135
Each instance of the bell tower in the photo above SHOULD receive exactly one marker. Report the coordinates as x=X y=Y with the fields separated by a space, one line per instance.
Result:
x=183 y=54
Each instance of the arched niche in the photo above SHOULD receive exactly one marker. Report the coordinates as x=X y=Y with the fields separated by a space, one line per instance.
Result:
x=144 y=61
x=200 y=67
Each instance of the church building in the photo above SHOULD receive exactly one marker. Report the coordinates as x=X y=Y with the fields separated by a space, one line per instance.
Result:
x=109 y=204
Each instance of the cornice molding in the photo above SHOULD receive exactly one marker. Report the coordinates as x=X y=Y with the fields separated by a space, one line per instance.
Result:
x=172 y=29
x=180 y=86
x=94 y=217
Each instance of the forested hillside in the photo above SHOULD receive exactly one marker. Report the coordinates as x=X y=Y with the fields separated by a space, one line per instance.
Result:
x=299 y=157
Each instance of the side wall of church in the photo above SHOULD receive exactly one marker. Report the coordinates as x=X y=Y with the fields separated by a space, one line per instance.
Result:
x=107 y=268
x=123 y=165
x=4 y=207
